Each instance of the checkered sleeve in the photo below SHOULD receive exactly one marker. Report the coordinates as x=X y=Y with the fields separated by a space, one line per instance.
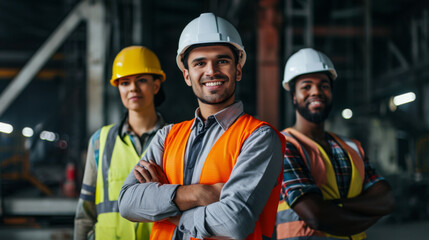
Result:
x=297 y=179
x=371 y=175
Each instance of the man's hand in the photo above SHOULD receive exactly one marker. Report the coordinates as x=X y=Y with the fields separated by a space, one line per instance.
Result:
x=355 y=216
x=190 y=196
x=149 y=172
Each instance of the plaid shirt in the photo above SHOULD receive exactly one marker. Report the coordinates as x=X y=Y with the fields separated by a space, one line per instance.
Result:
x=297 y=179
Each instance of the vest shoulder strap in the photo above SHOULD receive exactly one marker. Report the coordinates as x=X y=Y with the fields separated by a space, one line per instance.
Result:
x=355 y=145
x=293 y=140
x=96 y=141
x=178 y=131
x=110 y=144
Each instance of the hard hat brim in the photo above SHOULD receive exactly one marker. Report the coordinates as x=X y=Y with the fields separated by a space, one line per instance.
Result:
x=242 y=54
x=114 y=81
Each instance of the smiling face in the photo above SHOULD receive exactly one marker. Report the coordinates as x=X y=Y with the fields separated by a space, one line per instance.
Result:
x=212 y=73
x=313 y=97
x=137 y=91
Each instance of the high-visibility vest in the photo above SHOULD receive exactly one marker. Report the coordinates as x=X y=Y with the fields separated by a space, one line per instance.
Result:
x=217 y=168
x=289 y=225
x=118 y=158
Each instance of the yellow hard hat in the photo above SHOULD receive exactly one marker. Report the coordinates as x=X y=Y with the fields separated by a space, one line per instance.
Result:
x=135 y=60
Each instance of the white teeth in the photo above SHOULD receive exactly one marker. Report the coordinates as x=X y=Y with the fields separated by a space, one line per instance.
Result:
x=211 y=84
x=315 y=102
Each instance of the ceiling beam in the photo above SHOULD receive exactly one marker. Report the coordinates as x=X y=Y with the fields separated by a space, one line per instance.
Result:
x=42 y=55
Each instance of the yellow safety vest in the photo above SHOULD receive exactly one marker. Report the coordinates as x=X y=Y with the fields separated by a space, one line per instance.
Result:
x=289 y=225
x=117 y=158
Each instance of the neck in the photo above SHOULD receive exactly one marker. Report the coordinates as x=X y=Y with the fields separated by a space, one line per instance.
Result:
x=141 y=122
x=207 y=110
x=312 y=130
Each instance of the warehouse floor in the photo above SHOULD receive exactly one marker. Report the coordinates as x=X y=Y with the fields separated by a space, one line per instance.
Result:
x=399 y=231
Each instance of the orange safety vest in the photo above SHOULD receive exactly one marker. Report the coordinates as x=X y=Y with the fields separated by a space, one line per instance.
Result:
x=217 y=168
x=289 y=225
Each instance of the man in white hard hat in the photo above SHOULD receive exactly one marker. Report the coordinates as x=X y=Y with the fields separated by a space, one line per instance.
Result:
x=217 y=174
x=329 y=190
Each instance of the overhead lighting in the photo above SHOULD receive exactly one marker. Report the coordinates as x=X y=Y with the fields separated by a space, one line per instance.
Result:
x=347 y=113
x=48 y=136
x=6 y=128
x=27 y=132
x=404 y=98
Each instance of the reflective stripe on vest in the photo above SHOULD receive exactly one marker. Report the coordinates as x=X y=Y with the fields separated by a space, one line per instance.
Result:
x=118 y=158
x=289 y=225
x=217 y=168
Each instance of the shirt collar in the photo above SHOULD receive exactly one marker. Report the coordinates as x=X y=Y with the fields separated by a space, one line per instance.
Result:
x=126 y=129
x=225 y=118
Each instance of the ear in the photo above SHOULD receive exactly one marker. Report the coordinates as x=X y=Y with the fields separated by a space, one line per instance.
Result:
x=186 y=77
x=294 y=99
x=238 y=73
x=156 y=85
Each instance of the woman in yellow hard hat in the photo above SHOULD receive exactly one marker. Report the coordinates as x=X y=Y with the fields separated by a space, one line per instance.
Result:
x=115 y=149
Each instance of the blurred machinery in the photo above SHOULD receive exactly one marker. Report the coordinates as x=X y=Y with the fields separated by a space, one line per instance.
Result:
x=55 y=58
x=35 y=193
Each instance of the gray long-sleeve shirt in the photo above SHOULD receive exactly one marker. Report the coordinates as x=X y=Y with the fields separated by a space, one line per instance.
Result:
x=243 y=196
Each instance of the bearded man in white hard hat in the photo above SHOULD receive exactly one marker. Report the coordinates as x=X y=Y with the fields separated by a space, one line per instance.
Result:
x=329 y=190
x=218 y=174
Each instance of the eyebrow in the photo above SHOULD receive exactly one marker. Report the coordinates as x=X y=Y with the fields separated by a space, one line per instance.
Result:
x=221 y=56
x=142 y=76
x=311 y=81
x=224 y=56
x=127 y=78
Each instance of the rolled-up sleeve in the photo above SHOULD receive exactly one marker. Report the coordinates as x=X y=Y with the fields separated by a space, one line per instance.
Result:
x=245 y=194
x=371 y=175
x=297 y=179
x=147 y=202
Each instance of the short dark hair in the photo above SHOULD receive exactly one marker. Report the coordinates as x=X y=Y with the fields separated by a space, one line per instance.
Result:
x=234 y=51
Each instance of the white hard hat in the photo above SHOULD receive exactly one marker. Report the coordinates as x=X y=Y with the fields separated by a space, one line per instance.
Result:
x=307 y=60
x=208 y=28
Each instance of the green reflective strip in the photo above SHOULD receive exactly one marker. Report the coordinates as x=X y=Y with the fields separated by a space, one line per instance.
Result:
x=107 y=158
x=107 y=206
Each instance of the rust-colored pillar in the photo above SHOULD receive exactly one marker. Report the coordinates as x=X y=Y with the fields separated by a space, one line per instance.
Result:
x=268 y=81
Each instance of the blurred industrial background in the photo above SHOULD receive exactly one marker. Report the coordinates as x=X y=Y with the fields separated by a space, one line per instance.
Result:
x=55 y=63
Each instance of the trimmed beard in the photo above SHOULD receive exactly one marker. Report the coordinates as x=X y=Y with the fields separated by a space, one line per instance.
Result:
x=317 y=117
x=220 y=102
x=227 y=97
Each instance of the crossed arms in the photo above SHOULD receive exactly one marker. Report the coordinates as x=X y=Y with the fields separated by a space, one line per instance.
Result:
x=355 y=216
x=187 y=196
x=228 y=209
